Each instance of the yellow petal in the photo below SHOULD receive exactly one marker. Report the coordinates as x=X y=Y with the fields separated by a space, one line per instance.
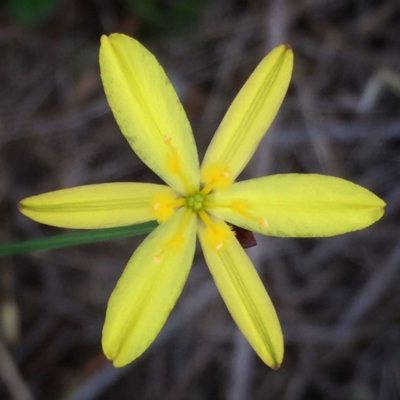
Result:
x=245 y=297
x=148 y=111
x=149 y=288
x=95 y=206
x=297 y=205
x=251 y=113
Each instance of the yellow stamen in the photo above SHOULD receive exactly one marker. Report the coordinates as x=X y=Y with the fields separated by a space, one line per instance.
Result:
x=206 y=219
x=242 y=207
x=218 y=233
x=173 y=164
x=177 y=242
x=163 y=205
x=178 y=202
x=216 y=176
x=207 y=189
x=184 y=222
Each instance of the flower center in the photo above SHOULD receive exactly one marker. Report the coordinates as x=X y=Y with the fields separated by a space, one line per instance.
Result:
x=164 y=205
x=195 y=202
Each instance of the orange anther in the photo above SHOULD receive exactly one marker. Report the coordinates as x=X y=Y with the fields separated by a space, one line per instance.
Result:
x=167 y=139
x=157 y=258
x=262 y=221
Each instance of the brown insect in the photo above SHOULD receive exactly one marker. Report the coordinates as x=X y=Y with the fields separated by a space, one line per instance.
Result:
x=246 y=238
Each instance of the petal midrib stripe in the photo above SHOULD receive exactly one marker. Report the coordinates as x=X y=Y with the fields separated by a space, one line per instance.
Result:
x=255 y=107
x=89 y=206
x=247 y=301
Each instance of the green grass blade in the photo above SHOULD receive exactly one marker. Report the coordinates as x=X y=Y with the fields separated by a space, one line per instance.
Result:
x=76 y=238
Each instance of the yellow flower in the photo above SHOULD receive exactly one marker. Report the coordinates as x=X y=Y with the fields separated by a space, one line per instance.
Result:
x=198 y=200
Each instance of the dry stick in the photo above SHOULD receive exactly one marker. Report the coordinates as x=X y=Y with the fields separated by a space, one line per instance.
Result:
x=11 y=376
x=339 y=40
x=196 y=365
x=315 y=128
x=31 y=104
x=369 y=295
x=365 y=299
x=232 y=52
x=347 y=133
x=300 y=379
x=362 y=302
x=242 y=369
x=39 y=126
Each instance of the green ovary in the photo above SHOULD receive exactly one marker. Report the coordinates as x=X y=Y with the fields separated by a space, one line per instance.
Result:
x=195 y=202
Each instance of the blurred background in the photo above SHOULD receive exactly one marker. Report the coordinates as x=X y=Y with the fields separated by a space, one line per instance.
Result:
x=338 y=298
